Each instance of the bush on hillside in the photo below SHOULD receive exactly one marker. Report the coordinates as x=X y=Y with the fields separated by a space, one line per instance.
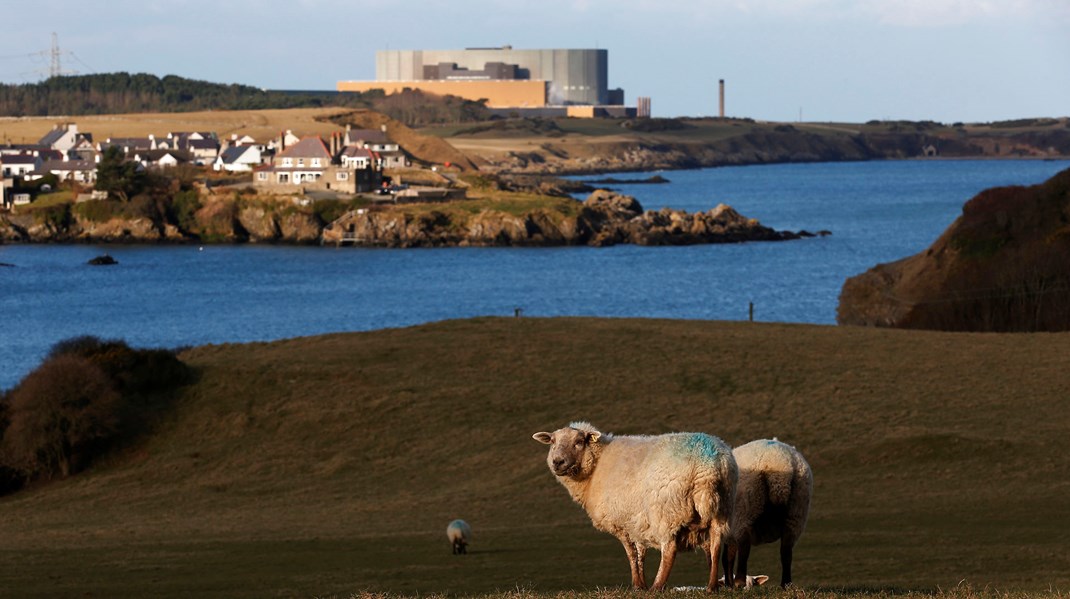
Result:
x=87 y=396
x=60 y=415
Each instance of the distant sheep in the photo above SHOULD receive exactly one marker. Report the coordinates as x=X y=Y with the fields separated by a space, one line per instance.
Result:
x=772 y=502
x=459 y=534
x=672 y=491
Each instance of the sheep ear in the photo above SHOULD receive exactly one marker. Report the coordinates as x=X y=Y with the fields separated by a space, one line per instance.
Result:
x=542 y=438
x=593 y=436
x=760 y=579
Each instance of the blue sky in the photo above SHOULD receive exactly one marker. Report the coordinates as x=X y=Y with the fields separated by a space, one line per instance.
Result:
x=828 y=60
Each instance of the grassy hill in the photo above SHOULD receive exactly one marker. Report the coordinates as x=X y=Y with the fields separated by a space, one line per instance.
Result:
x=564 y=145
x=327 y=466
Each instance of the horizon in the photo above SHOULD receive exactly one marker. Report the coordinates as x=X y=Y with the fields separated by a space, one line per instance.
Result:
x=809 y=60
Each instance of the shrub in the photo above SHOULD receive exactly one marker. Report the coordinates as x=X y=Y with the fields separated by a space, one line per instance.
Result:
x=183 y=210
x=60 y=414
x=87 y=395
x=98 y=211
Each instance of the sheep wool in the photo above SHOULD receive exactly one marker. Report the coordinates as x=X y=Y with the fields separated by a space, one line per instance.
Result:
x=671 y=492
x=459 y=534
x=772 y=502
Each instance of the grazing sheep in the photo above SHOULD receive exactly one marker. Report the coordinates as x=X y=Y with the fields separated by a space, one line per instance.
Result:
x=459 y=534
x=672 y=491
x=772 y=502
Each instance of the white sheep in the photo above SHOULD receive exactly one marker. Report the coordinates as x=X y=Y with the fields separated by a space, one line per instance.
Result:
x=772 y=502
x=671 y=492
x=459 y=534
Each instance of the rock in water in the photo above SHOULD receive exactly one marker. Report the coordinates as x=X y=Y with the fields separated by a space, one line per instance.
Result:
x=104 y=260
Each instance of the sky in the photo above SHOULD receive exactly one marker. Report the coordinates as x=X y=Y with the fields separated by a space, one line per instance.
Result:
x=782 y=60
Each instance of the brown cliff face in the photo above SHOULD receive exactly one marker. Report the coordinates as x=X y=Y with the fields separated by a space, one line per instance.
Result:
x=605 y=218
x=1003 y=265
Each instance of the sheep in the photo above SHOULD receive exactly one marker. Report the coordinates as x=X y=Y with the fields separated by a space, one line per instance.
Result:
x=459 y=534
x=671 y=492
x=772 y=502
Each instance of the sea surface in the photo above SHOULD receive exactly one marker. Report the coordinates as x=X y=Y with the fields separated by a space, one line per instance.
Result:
x=172 y=296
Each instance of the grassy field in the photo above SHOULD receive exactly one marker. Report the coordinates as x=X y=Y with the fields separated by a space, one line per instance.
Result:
x=330 y=466
x=261 y=124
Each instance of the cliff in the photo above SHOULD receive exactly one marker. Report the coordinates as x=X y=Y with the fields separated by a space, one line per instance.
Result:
x=1001 y=266
x=578 y=146
x=604 y=218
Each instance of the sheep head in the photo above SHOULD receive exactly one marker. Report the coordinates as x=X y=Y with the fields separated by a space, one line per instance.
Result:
x=573 y=449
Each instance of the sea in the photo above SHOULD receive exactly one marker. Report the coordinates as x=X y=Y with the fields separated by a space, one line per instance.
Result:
x=174 y=296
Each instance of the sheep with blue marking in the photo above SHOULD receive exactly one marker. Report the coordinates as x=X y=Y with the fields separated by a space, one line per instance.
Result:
x=459 y=534
x=772 y=502
x=671 y=492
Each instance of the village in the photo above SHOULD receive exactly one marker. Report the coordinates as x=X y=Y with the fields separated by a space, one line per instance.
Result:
x=348 y=162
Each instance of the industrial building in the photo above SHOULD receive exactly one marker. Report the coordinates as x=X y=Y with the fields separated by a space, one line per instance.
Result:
x=504 y=77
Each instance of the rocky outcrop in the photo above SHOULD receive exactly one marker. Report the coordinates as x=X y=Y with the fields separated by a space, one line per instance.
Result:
x=604 y=218
x=1001 y=266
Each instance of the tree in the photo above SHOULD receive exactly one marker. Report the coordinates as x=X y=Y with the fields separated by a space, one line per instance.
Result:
x=118 y=176
x=59 y=413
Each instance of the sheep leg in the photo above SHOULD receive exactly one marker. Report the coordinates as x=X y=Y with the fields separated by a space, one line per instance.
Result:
x=636 y=555
x=668 y=556
x=717 y=554
x=786 y=546
x=744 y=555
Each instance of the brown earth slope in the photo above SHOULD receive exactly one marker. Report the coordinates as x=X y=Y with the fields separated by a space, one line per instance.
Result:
x=1001 y=266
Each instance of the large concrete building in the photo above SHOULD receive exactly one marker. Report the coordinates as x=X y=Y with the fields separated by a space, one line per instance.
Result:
x=505 y=77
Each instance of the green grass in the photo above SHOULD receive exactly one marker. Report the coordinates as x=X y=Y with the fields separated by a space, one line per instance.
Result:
x=330 y=466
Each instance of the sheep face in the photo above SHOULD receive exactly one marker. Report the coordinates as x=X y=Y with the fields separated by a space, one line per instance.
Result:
x=570 y=450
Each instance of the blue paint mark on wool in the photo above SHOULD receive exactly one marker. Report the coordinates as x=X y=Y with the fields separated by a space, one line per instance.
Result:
x=700 y=445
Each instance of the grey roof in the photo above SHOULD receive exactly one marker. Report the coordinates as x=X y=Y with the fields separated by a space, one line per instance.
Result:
x=202 y=144
x=69 y=165
x=232 y=154
x=53 y=136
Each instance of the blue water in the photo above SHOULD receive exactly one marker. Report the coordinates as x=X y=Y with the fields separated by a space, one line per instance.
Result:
x=172 y=296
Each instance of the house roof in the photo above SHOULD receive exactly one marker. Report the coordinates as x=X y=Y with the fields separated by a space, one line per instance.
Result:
x=355 y=151
x=202 y=144
x=68 y=165
x=53 y=136
x=234 y=153
x=157 y=155
x=366 y=135
x=19 y=159
x=308 y=147
x=136 y=143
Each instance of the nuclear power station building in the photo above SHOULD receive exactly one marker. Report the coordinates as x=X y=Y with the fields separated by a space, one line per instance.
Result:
x=573 y=81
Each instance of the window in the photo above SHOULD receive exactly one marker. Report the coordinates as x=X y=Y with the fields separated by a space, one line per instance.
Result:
x=284 y=177
x=300 y=162
x=343 y=176
x=315 y=162
x=261 y=176
x=287 y=161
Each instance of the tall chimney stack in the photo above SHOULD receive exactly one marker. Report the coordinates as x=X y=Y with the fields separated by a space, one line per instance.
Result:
x=722 y=98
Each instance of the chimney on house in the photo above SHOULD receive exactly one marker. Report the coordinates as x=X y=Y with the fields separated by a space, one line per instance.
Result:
x=282 y=140
x=722 y=98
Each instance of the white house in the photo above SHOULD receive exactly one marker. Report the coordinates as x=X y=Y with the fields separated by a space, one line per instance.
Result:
x=5 y=201
x=238 y=159
x=63 y=137
x=358 y=157
x=17 y=165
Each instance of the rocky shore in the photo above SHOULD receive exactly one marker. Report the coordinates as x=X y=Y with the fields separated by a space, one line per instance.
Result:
x=604 y=218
